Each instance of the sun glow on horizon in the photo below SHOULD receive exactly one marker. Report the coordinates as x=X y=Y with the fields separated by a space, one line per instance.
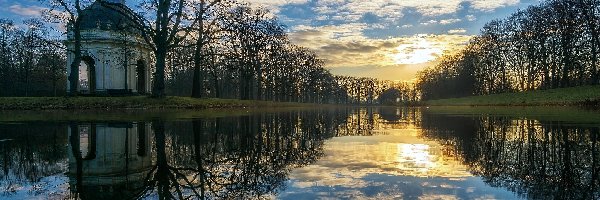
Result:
x=418 y=52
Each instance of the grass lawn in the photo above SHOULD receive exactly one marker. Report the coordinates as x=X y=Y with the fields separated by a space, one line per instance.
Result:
x=566 y=114
x=584 y=95
x=134 y=102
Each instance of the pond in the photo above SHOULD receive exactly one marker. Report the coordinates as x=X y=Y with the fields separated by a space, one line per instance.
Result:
x=320 y=153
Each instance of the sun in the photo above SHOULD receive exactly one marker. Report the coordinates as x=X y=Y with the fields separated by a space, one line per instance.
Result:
x=419 y=51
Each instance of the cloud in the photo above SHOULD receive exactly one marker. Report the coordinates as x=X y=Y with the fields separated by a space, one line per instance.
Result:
x=274 y=6
x=390 y=10
x=354 y=47
x=430 y=22
x=29 y=11
x=449 y=21
x=354 y=10
x=490 y=5
x=347 y=51
x=471 y=18
x=32 y=11
x=457 y=31
x=419 y=50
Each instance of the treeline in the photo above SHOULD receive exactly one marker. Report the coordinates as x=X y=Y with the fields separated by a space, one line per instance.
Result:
x=246 y=54
x=225 y=50
x=31 y=63
x=551 y=45
x=534 y=159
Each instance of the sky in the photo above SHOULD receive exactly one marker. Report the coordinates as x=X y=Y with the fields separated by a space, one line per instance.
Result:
x=385 y=39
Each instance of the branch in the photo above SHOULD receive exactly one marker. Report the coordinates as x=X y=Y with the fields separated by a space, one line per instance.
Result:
x=175 y=29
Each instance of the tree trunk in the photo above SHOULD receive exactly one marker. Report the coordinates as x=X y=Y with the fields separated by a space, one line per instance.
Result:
x=594 y=35
x=27 y=79
x=74 y=76
x=165 y=33
x=54 y=86
x=197 y=85
x=198 y=81
x=158 y=90
x=217 y=89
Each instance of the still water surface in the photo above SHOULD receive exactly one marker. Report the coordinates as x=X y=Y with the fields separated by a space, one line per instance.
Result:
x=352 y=153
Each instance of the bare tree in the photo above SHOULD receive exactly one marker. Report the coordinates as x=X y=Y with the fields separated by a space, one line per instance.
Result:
x=70 y=11
x=206 y=27
x=6 y=34
x=162 y=31
x=554 y=44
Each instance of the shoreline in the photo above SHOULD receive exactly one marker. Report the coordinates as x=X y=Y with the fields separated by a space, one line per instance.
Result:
x=583 y=96
x=137 y=103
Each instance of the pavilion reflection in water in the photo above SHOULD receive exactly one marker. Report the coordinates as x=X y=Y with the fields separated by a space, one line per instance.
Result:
x=114 y=161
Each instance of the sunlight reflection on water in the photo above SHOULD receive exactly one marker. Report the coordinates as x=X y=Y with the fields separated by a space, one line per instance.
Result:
x=392 y=164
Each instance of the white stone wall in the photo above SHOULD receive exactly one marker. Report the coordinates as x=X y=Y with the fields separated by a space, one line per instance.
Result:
x=108 y=49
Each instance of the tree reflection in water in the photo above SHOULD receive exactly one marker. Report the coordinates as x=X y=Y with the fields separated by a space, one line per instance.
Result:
x=252 y=156
x=231 y=157
x=28 y=153
x=535 y=159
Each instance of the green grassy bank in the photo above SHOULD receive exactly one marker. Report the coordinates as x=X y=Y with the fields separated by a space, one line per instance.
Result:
x=566 y=114
x=576 y=96
x=134 y=102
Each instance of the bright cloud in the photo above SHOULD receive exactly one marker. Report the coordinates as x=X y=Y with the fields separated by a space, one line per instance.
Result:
x=420 y=50
x=457 y=31
x=345 y=46
x=449 y=21
x=471 y=18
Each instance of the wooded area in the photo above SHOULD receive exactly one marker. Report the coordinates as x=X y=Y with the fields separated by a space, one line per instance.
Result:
x=217 y=48
x=31 y=64
x=235 y=51
x=551 y=45
x=227 y=49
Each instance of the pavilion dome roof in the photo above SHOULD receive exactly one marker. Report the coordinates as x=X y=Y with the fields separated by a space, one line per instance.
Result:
x=108 y=15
